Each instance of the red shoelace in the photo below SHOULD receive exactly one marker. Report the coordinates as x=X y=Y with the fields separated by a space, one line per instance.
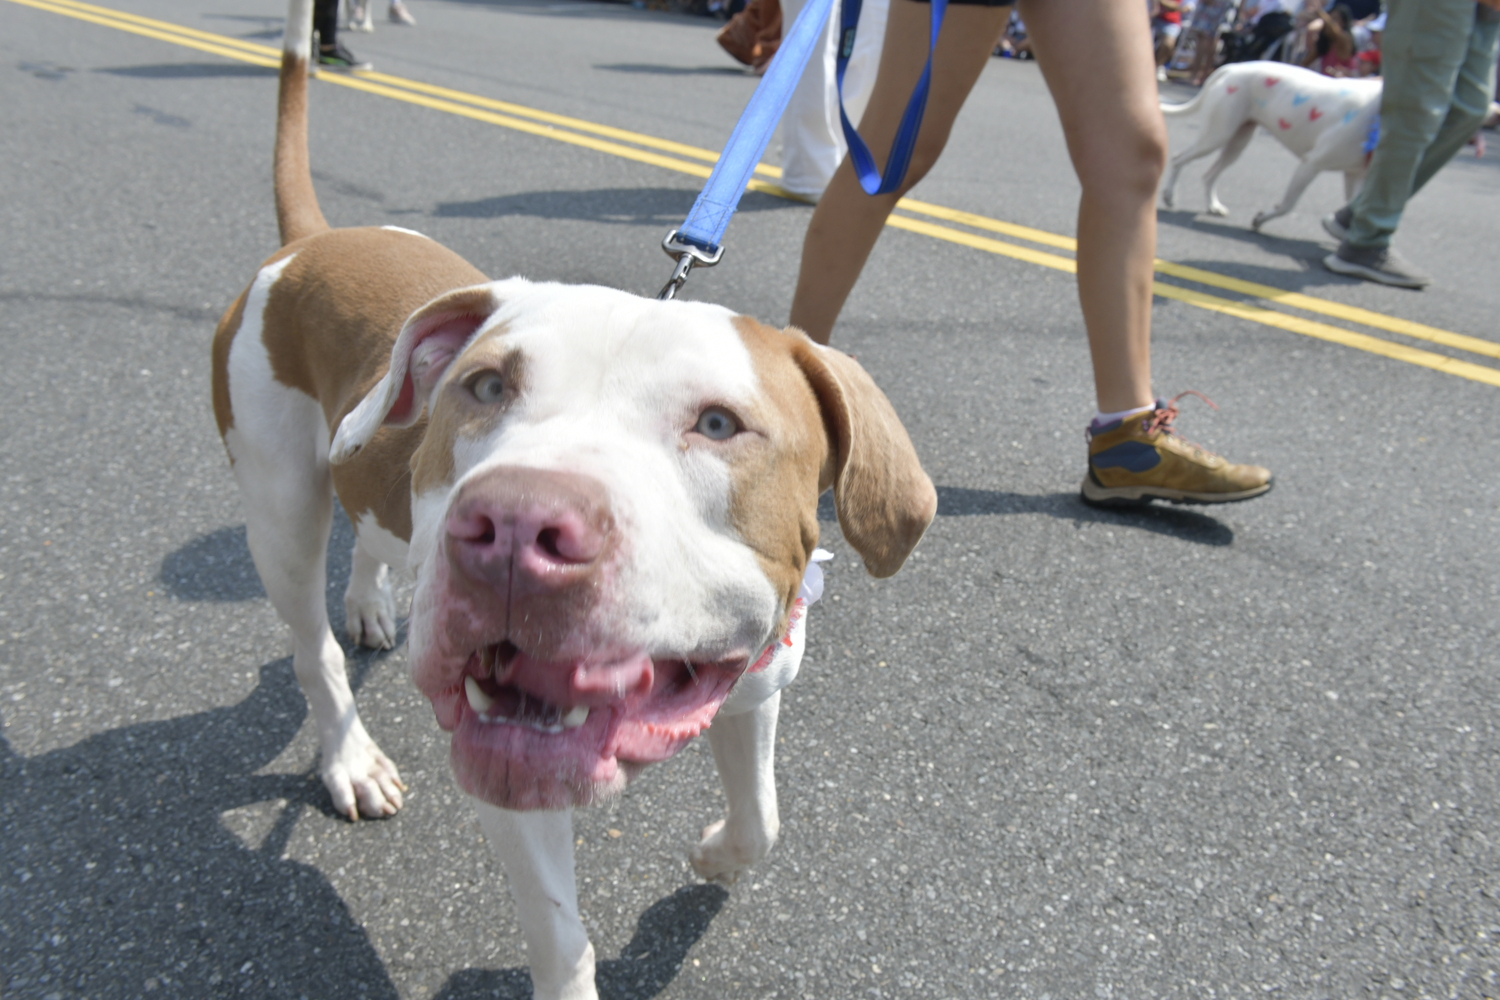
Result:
x=1162 y=417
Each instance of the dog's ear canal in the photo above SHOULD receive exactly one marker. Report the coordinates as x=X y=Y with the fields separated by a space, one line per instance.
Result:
x=429 y=341
x=884 y=499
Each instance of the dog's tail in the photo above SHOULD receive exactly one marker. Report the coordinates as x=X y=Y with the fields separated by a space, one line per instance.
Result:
x=1191 y=106
x=297 y=211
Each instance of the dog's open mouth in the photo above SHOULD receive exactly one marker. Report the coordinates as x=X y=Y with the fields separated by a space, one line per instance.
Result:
x=498 y=703
x=531 y=734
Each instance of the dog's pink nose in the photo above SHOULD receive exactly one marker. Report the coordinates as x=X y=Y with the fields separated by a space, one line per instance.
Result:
x=529 y=532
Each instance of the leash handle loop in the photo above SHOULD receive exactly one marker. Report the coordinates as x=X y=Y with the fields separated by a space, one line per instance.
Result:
x=872 y=180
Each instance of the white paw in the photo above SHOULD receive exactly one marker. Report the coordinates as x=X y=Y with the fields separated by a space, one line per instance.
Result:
x=370 y=617
x=1217 y=208
x=361 y=779
x=720 y=858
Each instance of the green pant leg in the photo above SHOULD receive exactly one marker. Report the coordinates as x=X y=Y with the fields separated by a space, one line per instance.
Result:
x=1471 y=97
x=1424 y=45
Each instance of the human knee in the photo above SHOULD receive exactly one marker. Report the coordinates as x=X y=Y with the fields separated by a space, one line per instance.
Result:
x=1132 y=166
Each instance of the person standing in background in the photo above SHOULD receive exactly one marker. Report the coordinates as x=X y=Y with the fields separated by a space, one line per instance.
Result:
x=326 y=26
x=1166 y=27
x=1207 y=19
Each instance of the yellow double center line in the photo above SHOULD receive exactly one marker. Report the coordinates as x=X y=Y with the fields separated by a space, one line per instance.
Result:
x=912 y=215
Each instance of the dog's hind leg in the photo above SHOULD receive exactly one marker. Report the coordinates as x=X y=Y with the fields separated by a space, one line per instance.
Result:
x=1199 y=149
x=536 y=851
x=1304 y=175
x=1231 y=152
x=744 y=749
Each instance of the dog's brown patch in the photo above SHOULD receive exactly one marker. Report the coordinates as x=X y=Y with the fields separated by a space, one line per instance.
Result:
x=774 y=498
x=229 y=325
x=328 y=327
x=454 y=413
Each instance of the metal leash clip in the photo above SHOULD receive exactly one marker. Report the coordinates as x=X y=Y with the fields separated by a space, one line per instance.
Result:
x=688 y=255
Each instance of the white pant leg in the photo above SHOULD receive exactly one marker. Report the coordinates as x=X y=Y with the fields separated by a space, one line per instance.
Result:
x=812 y=138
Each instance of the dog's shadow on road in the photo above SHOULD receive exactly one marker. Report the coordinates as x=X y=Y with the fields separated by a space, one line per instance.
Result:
x=959 y=501
x=653 y=958
x=150 y=858
x=217 y=567
x=1308 y=253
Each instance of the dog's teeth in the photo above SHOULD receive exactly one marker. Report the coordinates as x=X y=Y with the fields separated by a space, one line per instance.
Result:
x=577 y=716
x=478 y=700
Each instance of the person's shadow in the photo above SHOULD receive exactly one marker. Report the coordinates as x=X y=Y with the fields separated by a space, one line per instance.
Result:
x=118 y=877
x=1158 y=519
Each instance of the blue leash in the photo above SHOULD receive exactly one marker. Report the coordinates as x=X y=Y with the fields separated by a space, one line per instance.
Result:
x=871 y=179
x=698 y=241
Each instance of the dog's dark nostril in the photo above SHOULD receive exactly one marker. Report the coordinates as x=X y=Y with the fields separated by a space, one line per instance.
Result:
x=547 y=540
x=477 y=529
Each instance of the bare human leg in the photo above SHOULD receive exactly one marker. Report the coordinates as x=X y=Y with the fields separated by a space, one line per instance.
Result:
x=847 y=221
x=1097 y=58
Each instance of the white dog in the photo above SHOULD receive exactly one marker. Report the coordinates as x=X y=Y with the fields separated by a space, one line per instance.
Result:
x=610 y=510
x=1328 y=122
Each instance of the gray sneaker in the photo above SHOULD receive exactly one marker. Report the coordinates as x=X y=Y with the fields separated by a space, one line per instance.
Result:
x=1380 y=264
x=1337 y=224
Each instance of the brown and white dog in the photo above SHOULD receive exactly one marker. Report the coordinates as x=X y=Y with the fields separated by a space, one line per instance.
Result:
x=609 y=504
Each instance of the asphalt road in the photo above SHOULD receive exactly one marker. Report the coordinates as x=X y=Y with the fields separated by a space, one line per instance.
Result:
x=1248 y=751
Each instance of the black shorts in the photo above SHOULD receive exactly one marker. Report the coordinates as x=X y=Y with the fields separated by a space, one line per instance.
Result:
x=974 y=3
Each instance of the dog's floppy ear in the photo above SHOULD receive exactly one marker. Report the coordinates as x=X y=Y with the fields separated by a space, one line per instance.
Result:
x=884 y=499
x=432 y=337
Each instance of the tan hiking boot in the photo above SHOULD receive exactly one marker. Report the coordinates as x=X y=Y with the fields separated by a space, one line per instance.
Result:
x=1139 y=459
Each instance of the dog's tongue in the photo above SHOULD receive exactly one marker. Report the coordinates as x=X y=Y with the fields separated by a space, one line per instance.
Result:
x=568 y=684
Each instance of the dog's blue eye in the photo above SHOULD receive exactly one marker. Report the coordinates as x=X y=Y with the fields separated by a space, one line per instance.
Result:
x=489 y=387
x=717 y=424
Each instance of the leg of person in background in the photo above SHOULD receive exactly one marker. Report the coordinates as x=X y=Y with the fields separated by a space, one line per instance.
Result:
x=1203 y=57
x=326 y=24
x=1438 y=65
x=812 y=138
x=398 y=14
x=1167 y=33
x=1096 y=56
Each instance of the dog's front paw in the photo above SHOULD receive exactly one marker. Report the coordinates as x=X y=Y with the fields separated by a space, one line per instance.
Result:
x=361 y=779
x=1258 y=221
x=1218 y=208
x=370 y=616
x=722 y=858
